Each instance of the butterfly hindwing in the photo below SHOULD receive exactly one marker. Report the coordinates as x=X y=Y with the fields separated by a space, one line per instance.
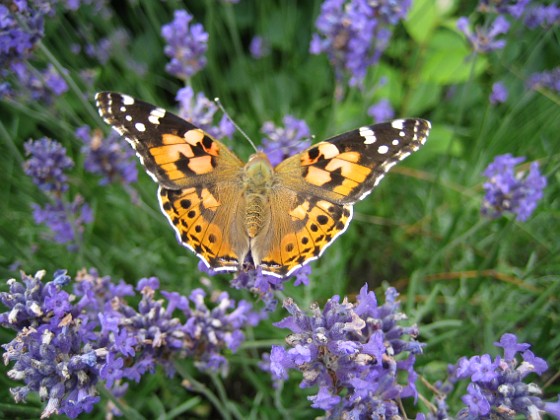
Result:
x=174 y=152
x=310 y=224
x=198 y=216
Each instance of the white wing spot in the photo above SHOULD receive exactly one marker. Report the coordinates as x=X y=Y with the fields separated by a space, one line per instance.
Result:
x=122 y=109
x=128 y=118
x=368 y=134
x=155 y=115
x=382 y=149
x=127 y=100
x=395 y=142
x=140 y=127
x=401 y=133
x=398 y=124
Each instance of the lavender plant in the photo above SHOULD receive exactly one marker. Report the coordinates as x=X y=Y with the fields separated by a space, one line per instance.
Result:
x=353 y=353
x=65 y=218
x=67 y=343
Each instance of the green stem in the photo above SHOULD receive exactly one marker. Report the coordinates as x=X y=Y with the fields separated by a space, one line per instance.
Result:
x=223 y=397
x=199 y=387
x=69 y=80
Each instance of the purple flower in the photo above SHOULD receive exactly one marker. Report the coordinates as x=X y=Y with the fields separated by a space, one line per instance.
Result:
x=20 y=29
x=348 y=351
x=282 y=142
x=476 y=401
x=514 y=7
x=259 y=47
x=499 y=93
x=200 y=111
x=497 y=385
x=354 y=34
x=508 y=192
x=542 y=16
x=108 y=157
x=484 y=40
x=65 y=220
x=46 y=164
x=35 y=85
x=186 y=45
x=381 y=111
x=67 y=342
x=547 y=80
x=511 y=347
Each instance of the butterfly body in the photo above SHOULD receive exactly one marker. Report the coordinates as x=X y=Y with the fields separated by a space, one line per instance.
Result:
x=227 y=211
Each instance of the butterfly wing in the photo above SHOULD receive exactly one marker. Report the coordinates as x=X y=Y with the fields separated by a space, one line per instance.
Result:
x=322 y=183
x=174 y=152
x=187 y=163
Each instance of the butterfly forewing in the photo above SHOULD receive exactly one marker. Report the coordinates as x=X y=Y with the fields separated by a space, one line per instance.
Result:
x=174 y=152
x=345 y=168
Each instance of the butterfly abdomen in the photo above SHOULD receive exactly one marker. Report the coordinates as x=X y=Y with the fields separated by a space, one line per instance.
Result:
x=258 y=179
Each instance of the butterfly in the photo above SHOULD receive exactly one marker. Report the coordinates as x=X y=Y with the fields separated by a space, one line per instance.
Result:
x=228 y=211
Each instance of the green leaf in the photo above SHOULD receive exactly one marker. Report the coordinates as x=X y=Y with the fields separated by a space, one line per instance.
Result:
x=422 y=20
x=449 y=60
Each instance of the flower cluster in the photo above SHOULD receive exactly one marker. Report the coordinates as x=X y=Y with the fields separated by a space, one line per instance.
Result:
x=186 y=45
x=354 y=34
x=199 y=110
x=264 y=285
x=67 y=342
x=259 y=47
x=352 y=352
x=547 y=79
x=499 y=93
x=496 y=385
x=508 y=192
x=109 y=157
x=46 y=165
x=381 y=111
x=484 y=40
x=280 y=143
x=21 y=28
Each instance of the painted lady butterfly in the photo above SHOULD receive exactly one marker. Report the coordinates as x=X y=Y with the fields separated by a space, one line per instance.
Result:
x=226 y=210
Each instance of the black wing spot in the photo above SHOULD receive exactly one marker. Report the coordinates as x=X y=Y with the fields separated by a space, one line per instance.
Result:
x=198 y=228
x=314 y=227
x=212 y=238
x=314 y=153
x=322 y=219
x=289 y=247
x=305 y=240
x=191 y=214
x=207 y=142
x=186 y=204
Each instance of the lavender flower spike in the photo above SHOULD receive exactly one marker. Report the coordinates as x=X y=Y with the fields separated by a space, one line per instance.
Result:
x=186 y=45
x=280 y=143
x=354 y=34
x=508 y=192
x=497 y=385
x=349 y=351
x=46 y=164
x=109 y=157
x=484 y=40
x=200 y=110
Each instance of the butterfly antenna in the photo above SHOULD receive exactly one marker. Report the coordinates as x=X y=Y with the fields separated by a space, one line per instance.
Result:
x=217 y=100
